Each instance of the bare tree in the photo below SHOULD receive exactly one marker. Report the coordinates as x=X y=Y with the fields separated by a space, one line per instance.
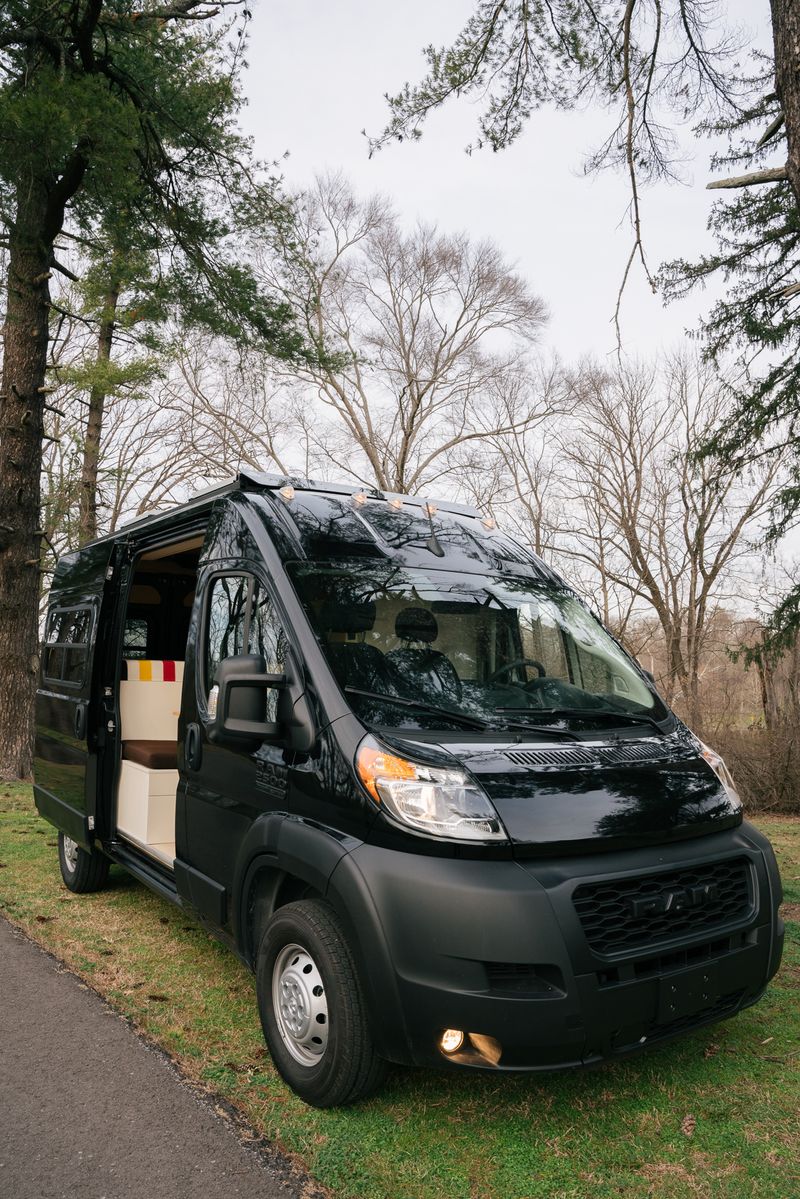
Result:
x=235 y=411
x=144 y=460
x=423 y=339
x=670 y=532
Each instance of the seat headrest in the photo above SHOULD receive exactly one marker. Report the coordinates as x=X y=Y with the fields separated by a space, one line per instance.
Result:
x=416 y=624
x=337 y=617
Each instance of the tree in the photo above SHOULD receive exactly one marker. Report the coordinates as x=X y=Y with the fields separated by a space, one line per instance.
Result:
x=235 y=412
x=650 y=61
x=107 y=106
x=757 y=235
x=422 y=341
x=651 y=519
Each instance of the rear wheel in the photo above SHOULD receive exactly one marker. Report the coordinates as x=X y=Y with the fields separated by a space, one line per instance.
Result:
x=312 y=1009
x=82 y=870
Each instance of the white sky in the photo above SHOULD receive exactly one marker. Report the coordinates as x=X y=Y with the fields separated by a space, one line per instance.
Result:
x=316 y=78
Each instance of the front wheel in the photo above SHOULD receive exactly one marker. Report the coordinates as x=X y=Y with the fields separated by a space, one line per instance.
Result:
x=82 y=870
x=312 y=1009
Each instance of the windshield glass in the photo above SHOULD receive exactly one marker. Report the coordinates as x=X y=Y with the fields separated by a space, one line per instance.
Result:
x=436 y=649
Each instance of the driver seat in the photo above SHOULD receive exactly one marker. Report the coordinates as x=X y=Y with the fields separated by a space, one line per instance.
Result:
x=355 y=662
x=419 y=666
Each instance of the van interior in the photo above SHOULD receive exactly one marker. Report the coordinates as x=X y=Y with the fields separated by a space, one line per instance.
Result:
x=151 y=677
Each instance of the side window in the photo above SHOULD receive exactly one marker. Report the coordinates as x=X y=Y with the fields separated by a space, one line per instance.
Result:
x=241 y=620
x=66 y=649
x=134 y=643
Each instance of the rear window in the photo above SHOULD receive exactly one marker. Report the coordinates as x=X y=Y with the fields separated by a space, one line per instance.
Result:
x=66 y=646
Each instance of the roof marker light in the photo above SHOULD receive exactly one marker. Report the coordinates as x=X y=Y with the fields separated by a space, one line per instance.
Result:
x=359 y=497
x=431 y=509
x=396 y=503
x=489 y=522
x=287 y=492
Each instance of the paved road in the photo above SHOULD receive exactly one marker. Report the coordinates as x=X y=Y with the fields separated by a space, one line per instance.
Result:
x=89 y=1111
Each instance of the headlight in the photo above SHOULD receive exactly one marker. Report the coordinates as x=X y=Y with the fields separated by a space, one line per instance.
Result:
x=721 y=771
x=442 y=803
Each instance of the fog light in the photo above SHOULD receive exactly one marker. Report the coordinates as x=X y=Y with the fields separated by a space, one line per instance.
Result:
x=451 y=1040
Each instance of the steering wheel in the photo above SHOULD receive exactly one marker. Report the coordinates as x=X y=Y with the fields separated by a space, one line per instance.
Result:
x=509 y=666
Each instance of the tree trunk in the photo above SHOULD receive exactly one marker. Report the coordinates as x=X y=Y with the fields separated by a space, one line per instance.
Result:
x=87 y=515
x=786 y=35
x=25 y=340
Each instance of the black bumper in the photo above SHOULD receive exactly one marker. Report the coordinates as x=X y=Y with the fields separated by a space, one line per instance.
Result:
x=498 y=949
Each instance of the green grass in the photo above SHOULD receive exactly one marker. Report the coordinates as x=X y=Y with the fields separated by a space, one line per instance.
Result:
x=715 y=1114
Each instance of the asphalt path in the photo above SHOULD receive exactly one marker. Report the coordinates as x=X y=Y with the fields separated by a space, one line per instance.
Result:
x=89 y=1111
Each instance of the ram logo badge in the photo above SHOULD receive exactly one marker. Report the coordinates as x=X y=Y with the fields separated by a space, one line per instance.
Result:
x=678 y=900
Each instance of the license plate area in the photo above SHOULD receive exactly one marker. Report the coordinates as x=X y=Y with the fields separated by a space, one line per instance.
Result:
x=688 y=992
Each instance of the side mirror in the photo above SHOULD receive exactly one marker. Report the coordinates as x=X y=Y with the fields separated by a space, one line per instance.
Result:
x=242 y=685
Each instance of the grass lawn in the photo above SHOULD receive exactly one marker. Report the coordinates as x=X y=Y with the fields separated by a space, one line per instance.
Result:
x=715 y=1114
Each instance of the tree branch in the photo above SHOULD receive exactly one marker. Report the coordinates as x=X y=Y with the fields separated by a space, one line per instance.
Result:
x=752 y=179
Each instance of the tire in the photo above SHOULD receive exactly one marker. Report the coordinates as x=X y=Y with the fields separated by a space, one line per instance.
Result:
x=82 y=870
x=318 y=1036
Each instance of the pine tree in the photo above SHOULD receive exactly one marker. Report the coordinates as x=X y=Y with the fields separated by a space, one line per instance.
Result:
x=123 y=110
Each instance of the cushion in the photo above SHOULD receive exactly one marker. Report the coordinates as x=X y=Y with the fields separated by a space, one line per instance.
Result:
x=155 y=755
x=151 y=670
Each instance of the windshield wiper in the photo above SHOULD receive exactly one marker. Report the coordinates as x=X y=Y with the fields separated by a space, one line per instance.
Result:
x=548 y=729
x=470 y=722
x=590 y=714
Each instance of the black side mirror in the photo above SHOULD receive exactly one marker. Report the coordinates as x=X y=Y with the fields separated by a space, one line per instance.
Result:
x=241 y=686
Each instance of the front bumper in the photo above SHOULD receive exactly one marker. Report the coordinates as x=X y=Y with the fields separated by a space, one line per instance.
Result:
x=496 y=948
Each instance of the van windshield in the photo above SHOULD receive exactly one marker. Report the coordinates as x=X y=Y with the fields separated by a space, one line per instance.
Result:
x=438 y=649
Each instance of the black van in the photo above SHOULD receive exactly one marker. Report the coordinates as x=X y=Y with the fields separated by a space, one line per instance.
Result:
x=394 y=761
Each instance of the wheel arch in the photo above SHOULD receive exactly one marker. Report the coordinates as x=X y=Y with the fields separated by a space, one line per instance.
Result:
x=291 y=859
x=283 y=858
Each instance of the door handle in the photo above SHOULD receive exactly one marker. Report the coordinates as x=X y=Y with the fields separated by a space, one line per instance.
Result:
x=193 y=747
x=80 y=721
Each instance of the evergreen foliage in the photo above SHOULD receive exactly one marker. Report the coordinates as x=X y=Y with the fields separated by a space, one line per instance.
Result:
x=143 y=108
x=757 y=235
x=118 y=136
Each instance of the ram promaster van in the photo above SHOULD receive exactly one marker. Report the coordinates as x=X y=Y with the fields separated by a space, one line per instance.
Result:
x=393 y=760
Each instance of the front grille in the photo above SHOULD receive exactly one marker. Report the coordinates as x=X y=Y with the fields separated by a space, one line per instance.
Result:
x=629 y=913
x=650 y=749
x=634 y=969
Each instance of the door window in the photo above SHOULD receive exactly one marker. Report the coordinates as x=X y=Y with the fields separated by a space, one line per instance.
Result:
x=241 y=620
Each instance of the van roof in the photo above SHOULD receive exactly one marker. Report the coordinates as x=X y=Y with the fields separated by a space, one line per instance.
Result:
x=324 y=517
x=256 y=480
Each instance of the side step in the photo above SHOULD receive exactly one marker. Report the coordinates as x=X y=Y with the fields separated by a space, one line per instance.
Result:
x=153 y=873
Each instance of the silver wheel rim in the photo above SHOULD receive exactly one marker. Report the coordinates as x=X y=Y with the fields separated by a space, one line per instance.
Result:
x=70 y=853
x=300 y=1004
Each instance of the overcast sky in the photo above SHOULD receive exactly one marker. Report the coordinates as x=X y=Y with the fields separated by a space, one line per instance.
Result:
x=317 y=77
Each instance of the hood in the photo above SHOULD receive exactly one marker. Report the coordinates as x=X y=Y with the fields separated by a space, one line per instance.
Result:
x=590 y=796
